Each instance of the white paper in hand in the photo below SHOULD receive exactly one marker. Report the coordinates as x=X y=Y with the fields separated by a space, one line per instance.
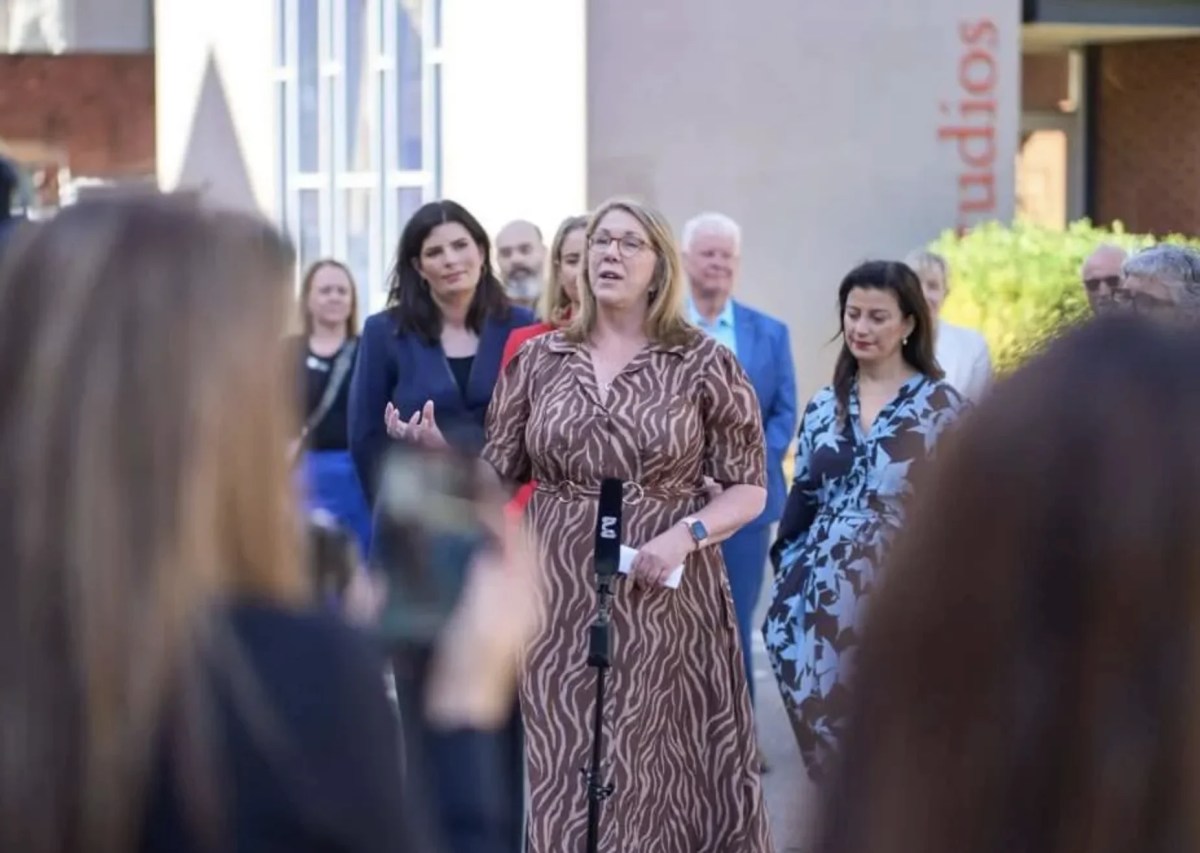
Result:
x=627 y=555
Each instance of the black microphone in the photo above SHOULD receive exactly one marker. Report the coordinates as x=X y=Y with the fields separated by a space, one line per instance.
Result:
x=608 y=528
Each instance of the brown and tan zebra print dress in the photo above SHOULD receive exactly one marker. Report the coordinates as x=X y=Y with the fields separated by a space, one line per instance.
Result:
x=680 y=736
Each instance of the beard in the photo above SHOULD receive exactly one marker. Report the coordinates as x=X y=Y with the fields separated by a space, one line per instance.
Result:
x=524 y=287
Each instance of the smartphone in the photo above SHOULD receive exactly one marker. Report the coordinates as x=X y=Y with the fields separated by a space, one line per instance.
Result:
x=427 y=535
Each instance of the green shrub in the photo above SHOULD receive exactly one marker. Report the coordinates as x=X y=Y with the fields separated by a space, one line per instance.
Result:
x=1019 y=285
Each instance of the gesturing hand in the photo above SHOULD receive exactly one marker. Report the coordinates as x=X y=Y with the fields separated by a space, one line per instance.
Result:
x=420 y=429
x=660 y=556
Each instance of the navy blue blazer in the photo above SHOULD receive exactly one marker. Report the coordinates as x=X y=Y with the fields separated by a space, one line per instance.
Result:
x=404 y=370
x=764 y=349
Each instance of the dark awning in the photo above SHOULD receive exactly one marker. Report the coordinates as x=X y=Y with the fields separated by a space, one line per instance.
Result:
x=1120 y=13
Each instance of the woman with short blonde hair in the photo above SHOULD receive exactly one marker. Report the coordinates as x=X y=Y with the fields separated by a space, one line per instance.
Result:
x=631 y=390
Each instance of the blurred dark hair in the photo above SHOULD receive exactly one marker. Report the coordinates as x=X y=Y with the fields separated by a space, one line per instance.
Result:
x=900 y=280
x=411 y=304
x=1027 y=680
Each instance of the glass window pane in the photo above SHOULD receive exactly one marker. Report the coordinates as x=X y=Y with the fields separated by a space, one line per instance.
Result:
x=360 y=119
x=308 y=60
x=408 y=202
x=409 y=64
x=310 y=227
x=281 y=137
x=360 y=214
x=436 y=130
x=281 y=29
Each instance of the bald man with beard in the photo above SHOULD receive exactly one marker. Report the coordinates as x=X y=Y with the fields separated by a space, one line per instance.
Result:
x=521 y=253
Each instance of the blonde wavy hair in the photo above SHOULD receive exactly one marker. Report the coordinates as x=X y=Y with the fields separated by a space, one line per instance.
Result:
x=665 y=319
x=555 y=303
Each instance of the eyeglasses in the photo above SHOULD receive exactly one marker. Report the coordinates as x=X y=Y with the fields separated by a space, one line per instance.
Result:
x=1112 y=282
x=628 y=245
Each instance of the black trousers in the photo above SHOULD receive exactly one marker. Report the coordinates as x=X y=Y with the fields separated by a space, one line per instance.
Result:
x=464 y=786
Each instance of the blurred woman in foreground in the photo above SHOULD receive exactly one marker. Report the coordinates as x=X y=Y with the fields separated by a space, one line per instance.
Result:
x=163 y=687
x=1028 y=677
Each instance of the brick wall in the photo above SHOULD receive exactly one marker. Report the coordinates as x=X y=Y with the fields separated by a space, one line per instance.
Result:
x=1045 y=80
x=1146 y=148
x=98 y=108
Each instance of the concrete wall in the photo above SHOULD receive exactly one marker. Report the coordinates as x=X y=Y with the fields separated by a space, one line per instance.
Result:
x=216 y=110
x=114 y=25
x=829 y=130
x=513 y=109
x=77 y=26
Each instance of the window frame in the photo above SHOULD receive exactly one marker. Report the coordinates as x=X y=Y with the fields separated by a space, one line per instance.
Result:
x=332 y=179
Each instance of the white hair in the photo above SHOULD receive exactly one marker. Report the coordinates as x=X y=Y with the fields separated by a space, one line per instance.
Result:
x=1177 y=265
x=711 y=223
x=923 y=261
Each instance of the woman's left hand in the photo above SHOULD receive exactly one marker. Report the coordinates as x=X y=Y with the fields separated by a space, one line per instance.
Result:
x=660 y=556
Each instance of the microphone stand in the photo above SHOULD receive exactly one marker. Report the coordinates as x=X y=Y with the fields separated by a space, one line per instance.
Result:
x=599 y=658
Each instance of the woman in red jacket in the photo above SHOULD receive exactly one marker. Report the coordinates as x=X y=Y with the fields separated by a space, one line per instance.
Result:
x=559 y=299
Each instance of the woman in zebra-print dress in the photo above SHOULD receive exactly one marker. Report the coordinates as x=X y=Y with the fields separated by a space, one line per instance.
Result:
x=631 y=390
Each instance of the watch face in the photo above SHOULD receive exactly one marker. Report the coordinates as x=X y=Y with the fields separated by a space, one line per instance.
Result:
x=698 y=530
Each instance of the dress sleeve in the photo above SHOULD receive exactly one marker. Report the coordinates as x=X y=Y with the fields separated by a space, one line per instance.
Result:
x=734 y=444
x=507 y=417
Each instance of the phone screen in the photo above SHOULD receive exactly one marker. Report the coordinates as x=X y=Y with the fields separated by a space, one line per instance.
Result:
x=427 y=535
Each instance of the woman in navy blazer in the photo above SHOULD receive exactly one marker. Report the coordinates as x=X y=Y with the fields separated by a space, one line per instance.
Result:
x=428 y=363
x=426 y=369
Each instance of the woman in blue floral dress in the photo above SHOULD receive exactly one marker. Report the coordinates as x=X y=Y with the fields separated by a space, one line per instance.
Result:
x=861 y=440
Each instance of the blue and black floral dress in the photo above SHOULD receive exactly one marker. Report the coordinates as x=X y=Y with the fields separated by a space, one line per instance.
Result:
x=846 y=503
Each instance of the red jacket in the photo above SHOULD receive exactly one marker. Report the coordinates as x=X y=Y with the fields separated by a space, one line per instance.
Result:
x=515 y=338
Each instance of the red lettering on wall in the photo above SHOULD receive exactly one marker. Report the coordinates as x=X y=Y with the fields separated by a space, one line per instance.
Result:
x=970 y=122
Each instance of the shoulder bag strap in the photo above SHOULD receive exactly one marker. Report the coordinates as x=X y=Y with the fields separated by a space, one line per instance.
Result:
x=337 y=378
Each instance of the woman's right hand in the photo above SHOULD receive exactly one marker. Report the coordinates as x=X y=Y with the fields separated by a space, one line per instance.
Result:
x=473 y=680
x=421 y=429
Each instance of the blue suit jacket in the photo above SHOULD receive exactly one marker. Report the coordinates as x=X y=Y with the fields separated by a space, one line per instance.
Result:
x=765 y=352
x=405 y=371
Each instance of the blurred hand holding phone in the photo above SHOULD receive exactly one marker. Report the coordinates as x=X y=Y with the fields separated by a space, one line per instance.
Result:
x=460 y=581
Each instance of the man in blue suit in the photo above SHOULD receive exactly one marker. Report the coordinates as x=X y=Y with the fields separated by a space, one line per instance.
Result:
x=712 y=255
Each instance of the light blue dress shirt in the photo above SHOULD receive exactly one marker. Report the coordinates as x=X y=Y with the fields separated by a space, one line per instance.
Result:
x=721 y=328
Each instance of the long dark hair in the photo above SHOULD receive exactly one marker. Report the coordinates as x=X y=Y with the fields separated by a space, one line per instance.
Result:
x=1045 y=698
x=409 y=301
x=900 y=280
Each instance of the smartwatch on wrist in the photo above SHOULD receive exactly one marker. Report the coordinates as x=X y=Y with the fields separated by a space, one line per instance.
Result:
x=697 y=530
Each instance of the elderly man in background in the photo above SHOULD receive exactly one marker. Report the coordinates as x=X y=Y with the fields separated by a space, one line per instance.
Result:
x=1162 y=281
x=1101 y=275
x=521 y=253
x=712 y=245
